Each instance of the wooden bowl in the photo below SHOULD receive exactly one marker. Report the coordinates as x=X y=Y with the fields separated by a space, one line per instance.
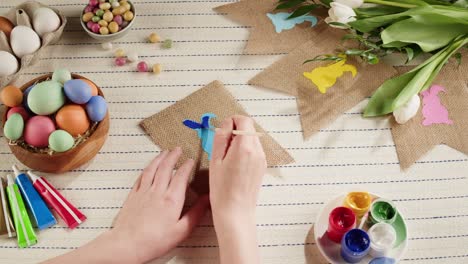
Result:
x=65 y=161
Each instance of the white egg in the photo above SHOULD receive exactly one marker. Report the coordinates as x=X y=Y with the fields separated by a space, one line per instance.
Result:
x=45 y=20
x=9 y=64
x=24 y=41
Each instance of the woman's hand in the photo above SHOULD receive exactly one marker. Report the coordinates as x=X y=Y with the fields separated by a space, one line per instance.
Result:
x=236 y=171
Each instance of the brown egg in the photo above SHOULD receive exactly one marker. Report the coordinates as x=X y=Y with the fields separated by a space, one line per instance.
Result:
x=6 y=26
x=11 y=96
x=73 y=119
x=94 y=90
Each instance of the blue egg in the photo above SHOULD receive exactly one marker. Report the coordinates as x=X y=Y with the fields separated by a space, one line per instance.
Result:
x=77 y=91
x=96 y=108
x=25 y=99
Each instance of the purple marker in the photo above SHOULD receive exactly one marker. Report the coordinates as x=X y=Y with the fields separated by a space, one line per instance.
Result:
x=355 y=245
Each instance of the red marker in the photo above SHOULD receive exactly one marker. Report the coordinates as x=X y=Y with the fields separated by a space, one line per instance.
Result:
x=54 y=199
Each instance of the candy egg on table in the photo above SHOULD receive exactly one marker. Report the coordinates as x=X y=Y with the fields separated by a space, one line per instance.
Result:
x=61 y=76
x=18 y=110
x=38 y=130
x=9 y=64
x=6 y=26
x=46 y=98
x=11 y=96
x=78 y=91
x=73 y=119
x=45 y=20
x=14 y=126
x=61 y=141
x=96 y=108
x=24 y=41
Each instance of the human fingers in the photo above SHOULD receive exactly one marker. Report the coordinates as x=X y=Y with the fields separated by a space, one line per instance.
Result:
x=179 y=181
x=222 y=139
x=165 y=170
x=149 y=172
x=191 y=219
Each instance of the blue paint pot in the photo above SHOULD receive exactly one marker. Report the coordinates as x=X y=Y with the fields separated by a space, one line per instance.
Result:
x=355 y=245
x=382 y=260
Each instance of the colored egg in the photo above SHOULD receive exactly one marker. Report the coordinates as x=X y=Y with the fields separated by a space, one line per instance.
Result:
x=25 y=99
x=9 y=64
x=61 y=141
x=18 y=110
x=94 y=89
x=6 y=26
x=24 y=41
x=11 y=96
x=96 y=108
x=45 y=20
x=14 y=126
x=46 y=98
x=73 y=119
x=78 y=91
x=61 y=76
x=38 y=130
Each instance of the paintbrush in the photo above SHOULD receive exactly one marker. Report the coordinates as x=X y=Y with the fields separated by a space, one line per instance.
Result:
x=242 y=132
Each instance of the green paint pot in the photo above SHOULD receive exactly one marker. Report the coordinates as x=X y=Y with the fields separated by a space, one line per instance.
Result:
x=382 y=211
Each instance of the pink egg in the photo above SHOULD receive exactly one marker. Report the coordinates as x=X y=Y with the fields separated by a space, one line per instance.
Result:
x=20 y=110
x=38 y=130
x=93 y=2
x=95 y=28
x=89 y=9
x=90 y=24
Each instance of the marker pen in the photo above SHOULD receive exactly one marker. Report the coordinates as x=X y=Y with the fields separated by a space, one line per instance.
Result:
x=54 y=199
x=9 y=226
x=24 y=230
x=42 y=216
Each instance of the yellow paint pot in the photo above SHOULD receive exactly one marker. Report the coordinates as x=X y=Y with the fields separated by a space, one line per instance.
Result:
x=359 y=202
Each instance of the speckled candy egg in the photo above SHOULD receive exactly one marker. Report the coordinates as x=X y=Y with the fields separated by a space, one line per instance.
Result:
x=78 y=91
x=14 y=126
x=96 y=108
x=61 y=141
x=18 y=110
x=61 y=76
x=46 y=98
x=38 y=130
x=72 y=118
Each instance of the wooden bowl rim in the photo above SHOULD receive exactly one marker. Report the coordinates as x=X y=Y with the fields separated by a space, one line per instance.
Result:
x=78 y=147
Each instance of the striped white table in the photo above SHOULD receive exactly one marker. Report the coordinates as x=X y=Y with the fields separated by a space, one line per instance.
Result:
x=352 y=153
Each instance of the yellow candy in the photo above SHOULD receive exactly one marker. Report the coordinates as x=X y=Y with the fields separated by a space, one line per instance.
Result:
x=120 y=53
x=105 y=6
x=128 y=16
x=153 y=38
x=325 y=77
x=157 y=68
x=104 y=30
x=113 y=27
x=108 y=16
x=123 y=2
x=127 y=6
x=87 y=17
x=119 y=10
x=103 y=23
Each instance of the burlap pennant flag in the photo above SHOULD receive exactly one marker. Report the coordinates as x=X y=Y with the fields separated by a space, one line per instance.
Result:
x=263 y=37
x=319 y=109
x=167 y=130
x=414 y=139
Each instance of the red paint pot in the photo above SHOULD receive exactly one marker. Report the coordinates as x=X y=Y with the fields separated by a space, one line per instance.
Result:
x=340 y=221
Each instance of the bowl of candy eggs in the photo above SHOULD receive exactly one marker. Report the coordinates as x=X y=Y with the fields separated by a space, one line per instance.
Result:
x=108 y=20
x=56 y=122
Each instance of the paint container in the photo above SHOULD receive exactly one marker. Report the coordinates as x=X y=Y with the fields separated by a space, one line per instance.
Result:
x=382 y=237
x=355 y=245
x=382 y=261
x=41 y=215
x=54 y=199
x=382 y=211
x=359 y=202
x=24 y=230
x=340 y=221
x=9 y=227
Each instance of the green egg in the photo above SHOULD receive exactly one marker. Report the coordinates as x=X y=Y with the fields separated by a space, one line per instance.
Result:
x=14 y=127
x=46 y=98
x=61 y=76
x=60 y=141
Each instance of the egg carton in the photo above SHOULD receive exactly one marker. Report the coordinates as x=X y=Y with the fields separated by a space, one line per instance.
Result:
x=21 y=15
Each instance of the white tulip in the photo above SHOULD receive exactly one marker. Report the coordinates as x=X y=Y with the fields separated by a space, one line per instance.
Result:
x=340 y=13
x=408 y=110
x=351 y=3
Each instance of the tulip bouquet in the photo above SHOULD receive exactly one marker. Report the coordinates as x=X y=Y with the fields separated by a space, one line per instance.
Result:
x=413 y=27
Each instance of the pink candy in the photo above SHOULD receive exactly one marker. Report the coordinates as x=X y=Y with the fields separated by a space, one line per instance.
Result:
x=90 y=24
x=93 y=2
x=89 y=9
x=118 y=19
x=142 y=66
x=120 y=61
x=95 y=28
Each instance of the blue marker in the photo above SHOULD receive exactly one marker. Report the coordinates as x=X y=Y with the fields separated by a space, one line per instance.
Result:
x=42 y=216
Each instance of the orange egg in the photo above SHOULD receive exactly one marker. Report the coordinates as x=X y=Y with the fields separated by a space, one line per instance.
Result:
x=11 y=96
x=73 y=119
x=6 y=26
x=94 y=90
